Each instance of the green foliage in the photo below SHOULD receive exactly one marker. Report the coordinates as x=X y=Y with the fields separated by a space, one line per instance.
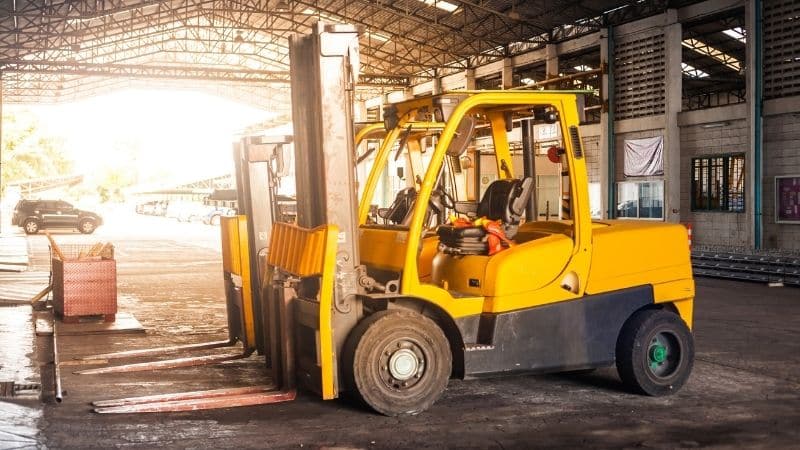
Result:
x=28 y=152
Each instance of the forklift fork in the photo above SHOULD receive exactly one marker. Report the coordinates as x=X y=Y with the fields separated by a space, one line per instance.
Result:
x=196 y=400
x=168 y=363
x=160 y=350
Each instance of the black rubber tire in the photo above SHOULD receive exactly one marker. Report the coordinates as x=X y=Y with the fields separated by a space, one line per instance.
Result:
x=87 y=226
x=367 y=355
x=642 y=332
x=31 y=226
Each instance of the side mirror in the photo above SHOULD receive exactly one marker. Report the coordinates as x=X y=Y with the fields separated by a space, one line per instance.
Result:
x=462 y=136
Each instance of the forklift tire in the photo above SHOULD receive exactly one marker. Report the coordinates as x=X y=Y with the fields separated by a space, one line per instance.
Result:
x=397 y=362
x=655 y=352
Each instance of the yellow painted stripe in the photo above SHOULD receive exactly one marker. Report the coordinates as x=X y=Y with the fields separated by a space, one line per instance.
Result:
x=327 y=356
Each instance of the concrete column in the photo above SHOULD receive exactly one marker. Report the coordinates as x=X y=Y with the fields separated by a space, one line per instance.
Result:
x=437 y=84
x=605 y=88
x=551 y=61
x=507 y=74
x=360 y=111
x=753 y=120
x=673 y=97
x=471 y=83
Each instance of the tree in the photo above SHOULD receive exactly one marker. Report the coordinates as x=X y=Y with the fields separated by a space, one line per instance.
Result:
x=28 y=152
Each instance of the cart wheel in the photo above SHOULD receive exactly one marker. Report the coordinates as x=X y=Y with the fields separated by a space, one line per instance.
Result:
x=398 y=362
x=655 y=352
x=31 y=226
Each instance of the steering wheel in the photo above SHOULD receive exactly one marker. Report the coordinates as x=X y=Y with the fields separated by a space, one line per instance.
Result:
x=441 y=200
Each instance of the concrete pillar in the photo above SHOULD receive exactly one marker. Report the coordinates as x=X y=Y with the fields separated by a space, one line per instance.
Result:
x=471 y=83
x=360 y=111
x=551 y=61
x=437 y=83
x=507 y=74
x=753 y=119
x=673 y=96
x=605 y=88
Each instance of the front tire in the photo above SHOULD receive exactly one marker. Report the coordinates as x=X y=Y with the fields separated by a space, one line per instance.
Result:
x=87 y=226
x=655 y=352
x=30 y=226
x=397 y=362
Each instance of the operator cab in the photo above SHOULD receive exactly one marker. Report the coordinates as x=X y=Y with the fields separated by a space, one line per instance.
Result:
x=475 y=226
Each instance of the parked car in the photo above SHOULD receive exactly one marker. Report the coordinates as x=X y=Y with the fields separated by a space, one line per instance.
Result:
x=187 y=211
x=33 y=215
x=152 y=208
x=213 y=216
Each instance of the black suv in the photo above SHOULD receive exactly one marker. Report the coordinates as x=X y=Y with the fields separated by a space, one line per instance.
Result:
x=32 y=215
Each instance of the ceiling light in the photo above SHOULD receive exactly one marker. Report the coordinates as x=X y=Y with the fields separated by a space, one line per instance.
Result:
x=376 y=36
x=736 y=33
x=283 y=5
x=693 y=72
x=444 y=6
x=715 y=125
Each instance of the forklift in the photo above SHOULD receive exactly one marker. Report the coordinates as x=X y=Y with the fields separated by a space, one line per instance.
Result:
x=561 y=295
x=388 y=311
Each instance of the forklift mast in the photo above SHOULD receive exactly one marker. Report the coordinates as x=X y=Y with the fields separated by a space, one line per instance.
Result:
x=324 y=67
x=257 y=162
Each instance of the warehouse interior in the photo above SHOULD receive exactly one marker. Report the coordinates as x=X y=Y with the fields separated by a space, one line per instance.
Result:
x=706 y=90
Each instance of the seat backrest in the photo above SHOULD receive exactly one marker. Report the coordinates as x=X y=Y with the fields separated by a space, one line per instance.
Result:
x=399 y=212
x=506 y=200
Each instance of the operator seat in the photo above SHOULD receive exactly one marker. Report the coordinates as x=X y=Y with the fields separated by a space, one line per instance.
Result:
x=399 y=212
x=504 y=200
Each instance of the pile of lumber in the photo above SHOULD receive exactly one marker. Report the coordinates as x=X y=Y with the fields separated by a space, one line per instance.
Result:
x=101 y=250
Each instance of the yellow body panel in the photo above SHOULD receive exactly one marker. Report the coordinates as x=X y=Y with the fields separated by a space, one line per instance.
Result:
x=231 y=260
x=628 y=253
x=236 y=260
x=383 y=248
x=527 y=267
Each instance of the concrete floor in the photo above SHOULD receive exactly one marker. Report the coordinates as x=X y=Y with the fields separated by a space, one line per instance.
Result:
x=744 y=391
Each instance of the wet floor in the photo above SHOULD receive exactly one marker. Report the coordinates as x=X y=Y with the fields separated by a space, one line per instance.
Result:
x=21 y=415
x=744 y=391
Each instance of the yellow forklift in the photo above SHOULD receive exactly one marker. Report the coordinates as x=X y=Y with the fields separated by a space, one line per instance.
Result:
x=389 y=312
x=560 y=295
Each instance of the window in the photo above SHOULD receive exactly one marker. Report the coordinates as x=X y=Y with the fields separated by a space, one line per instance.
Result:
x=640 y=199
x=718 y=183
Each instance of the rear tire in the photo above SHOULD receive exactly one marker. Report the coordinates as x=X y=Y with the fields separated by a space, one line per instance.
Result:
x=397 y=362
x=655 y=352
x=30 y=226
x=87 y=226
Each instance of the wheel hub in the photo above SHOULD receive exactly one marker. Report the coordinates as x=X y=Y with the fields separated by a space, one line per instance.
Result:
x=663 y=355
x=403 y=364
x=658 y=353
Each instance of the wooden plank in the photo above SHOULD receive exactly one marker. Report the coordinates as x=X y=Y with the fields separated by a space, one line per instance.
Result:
x=126 y=323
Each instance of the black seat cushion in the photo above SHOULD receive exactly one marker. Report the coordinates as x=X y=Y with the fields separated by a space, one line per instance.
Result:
x=503 y=200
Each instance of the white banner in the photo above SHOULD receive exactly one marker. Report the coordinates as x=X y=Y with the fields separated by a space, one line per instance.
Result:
x=644 y=157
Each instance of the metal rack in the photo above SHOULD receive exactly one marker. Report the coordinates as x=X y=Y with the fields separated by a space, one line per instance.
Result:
x=767 y=266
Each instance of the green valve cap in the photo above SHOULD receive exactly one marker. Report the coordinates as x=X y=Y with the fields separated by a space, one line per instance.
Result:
x=658 y=353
